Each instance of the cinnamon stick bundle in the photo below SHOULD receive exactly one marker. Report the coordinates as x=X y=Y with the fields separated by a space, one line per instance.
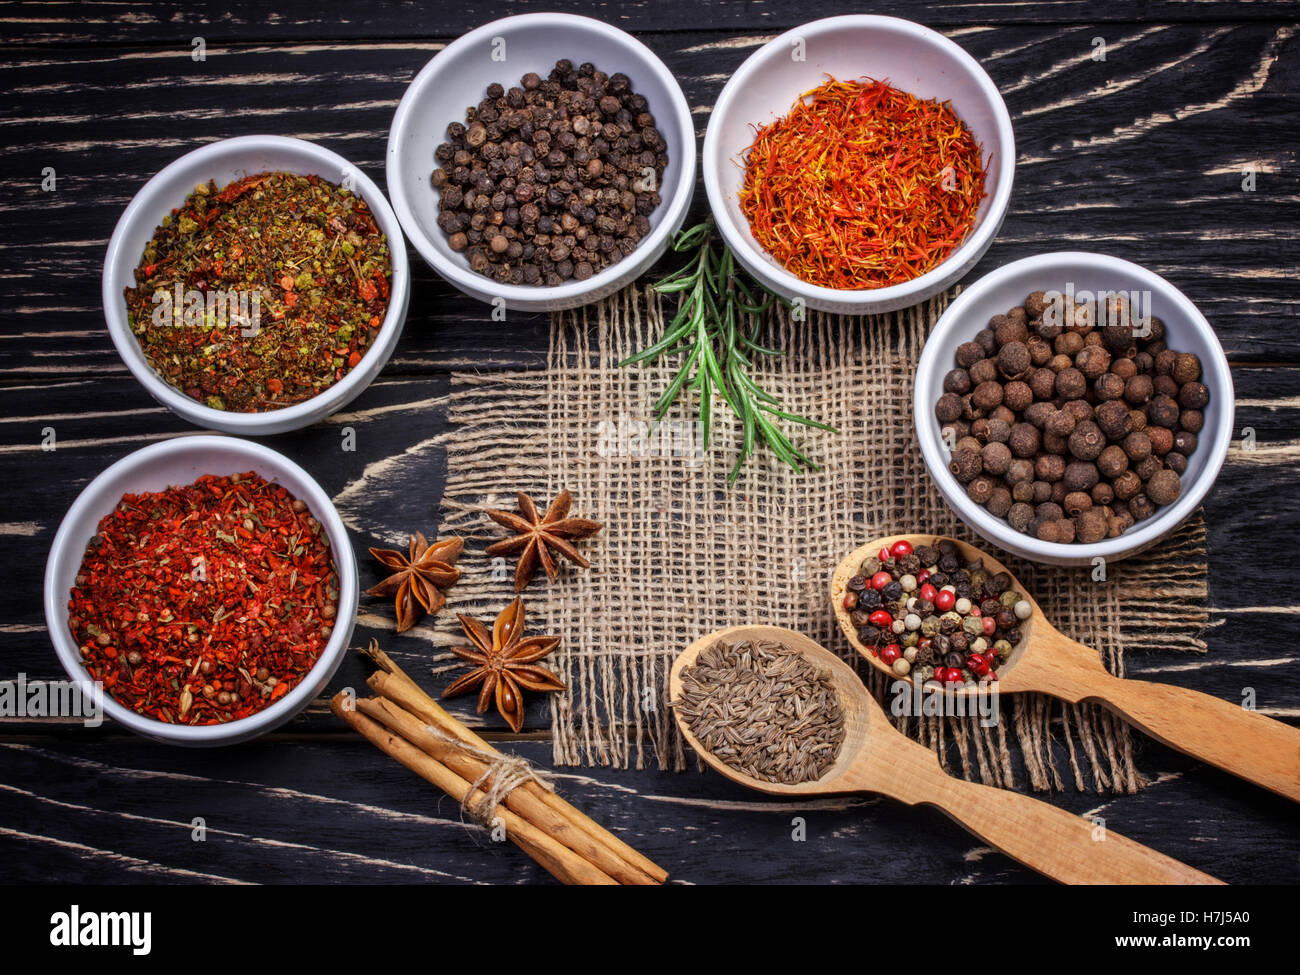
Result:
x=407 y=724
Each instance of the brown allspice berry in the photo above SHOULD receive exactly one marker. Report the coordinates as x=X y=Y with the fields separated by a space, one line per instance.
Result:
x=1040 y=350
x=1176 y=463
x=1090 y=526
x=1035 y=303
x=1193 y=396
x=1184 y=442
x=1037 y=413
x=1013 y=330
x=986 y=339
x=1042 y=492
x=969 y=408
x=1071 y=384
x=980 y=490
x=1059 y=363
x=1114 y=420
x=1020 y=515
x=1108 y=386
x=1137 y=446
x=968 y=442
x=1013 y=360
x=1186 y=368
x=999 y=502
x=948 y=408
x=987 y=395
x=1077 y=501
x=1050 y=530
x=1165 y=386
x=1058 y=492
x=1138 y=390
x=1055 y=444
x=1124 y=367
x=1146 y=468
x=1081 y=475
x=1102 y=493
x=1087 y=441
x=957 y=381
x=1023 y=490
x=1066 y=532
x=1042 y=382
x=969 y=353
x=1193 y=421
x=1068 y=343
x=997 y=430
x=1164 y=362
x=1162 y=411
x=996 y=458
x=1017 y=395
x=1005 y=415
x=1061 y=423
x=1080 y=409
x=1140 y=506
x=965 y=465
x=1019 y=471
x=1025 y=440
x=1018 y=314
x=1092 y=362
x=1049 y=467
x=1112 y=461
x=1164 y=487
x=984 y=371
x=1139 y=418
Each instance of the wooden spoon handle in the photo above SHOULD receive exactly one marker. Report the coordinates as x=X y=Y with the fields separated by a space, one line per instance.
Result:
x=1053 y=841
x=1245 y=743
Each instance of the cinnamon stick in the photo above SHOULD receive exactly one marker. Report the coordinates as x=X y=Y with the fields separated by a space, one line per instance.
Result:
x=558 y=860
x=391 y=682
x=523 y=801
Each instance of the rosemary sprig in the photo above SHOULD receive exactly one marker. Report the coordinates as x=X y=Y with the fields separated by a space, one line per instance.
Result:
x=720 y=310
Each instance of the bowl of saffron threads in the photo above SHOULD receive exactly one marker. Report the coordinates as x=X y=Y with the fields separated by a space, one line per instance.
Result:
x=201 y=591
x=859 y=164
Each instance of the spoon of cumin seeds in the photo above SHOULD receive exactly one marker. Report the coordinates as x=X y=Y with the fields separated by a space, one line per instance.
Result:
x=874 y=757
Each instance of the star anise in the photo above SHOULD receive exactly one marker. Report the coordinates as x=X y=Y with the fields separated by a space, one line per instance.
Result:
x=505 y=664
x=419 y=578
x=540 y=536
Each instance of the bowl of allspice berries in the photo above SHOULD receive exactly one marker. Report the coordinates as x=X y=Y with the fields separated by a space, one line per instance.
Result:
x=1073 y=406
x=542 y=161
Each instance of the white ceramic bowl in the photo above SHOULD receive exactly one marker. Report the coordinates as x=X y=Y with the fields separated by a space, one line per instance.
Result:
x=180 y=461
x=224 y=162
x=1186 y=330
x=503 y=52
x=910 y=57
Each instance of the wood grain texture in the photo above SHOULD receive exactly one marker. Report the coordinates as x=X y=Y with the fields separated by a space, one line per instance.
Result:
x=1141 y=156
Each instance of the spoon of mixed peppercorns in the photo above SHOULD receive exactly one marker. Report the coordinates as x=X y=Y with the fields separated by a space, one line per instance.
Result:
x=947 y=613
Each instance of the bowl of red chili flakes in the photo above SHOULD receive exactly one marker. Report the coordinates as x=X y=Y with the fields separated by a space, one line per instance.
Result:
x=257 y=284
x=203 y=589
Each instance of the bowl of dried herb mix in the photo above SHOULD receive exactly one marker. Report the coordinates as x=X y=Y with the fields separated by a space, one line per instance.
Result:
x=257 y=284
x=565 y=178
x=860 y=163
x=206 y=586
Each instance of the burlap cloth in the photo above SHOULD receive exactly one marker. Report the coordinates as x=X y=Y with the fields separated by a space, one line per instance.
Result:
x=682 y=553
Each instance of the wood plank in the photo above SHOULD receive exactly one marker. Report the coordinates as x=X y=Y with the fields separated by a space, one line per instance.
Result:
x=1111 y=158
x=121 y=21
x=288 y=811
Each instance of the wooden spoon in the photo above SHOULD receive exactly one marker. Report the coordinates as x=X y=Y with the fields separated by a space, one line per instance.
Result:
x=877 y=757
x=1242 y=742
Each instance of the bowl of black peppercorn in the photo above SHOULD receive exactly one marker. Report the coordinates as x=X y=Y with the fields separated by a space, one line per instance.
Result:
x=1073 y=408
x=542 y=162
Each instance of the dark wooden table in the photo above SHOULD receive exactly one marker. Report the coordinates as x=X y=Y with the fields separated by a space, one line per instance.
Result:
x=1177 y=151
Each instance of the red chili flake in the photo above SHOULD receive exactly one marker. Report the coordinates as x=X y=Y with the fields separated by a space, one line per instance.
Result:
x=203 y=604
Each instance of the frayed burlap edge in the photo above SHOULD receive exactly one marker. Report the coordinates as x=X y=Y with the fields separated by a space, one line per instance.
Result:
x=682 y=553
